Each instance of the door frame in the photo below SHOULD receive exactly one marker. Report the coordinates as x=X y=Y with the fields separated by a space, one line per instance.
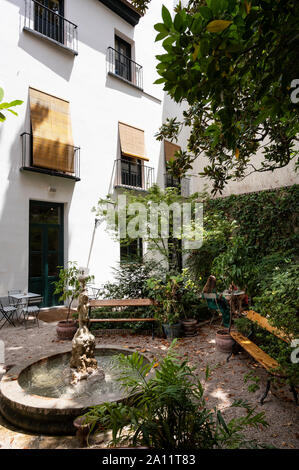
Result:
x=45 y=284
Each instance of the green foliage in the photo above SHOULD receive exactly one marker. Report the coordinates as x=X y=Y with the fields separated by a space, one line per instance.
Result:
x=130 y=280
x=175 y=297
x=169 y=410
x=140 y=5
x=235 y=63
x=7 y=106
x=279 y=300
x=68 y=284
x=254 y=379
x=246 y=237
x=138 y=219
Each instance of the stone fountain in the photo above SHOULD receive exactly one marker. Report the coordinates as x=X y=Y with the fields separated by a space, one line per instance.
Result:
x=46 y=394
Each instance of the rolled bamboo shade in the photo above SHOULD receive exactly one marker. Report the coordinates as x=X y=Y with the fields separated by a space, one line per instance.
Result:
x=170 y=149
x=131 y=141
x=53 y=146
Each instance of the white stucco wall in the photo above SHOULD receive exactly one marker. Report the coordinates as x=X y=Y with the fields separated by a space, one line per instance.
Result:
x=97 y=103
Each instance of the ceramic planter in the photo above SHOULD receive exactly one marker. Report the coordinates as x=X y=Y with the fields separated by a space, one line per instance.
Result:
x=189 y=327
x=66 y=329
x=172 y=331
x=224 y=341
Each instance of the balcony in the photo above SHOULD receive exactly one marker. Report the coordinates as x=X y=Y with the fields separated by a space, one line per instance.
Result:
x=51 y=26
x=183 y=183
x=124 y=68
x=129 y=174
x=50 y=158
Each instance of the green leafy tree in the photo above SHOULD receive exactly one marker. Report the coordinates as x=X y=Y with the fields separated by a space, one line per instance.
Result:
x=7 y=106
x=235 y=62
x=156 y=242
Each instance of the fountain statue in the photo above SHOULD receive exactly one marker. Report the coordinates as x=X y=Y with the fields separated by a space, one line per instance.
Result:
x=83 y=362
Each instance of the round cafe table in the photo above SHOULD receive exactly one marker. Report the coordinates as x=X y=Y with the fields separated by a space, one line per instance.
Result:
x=229 y=295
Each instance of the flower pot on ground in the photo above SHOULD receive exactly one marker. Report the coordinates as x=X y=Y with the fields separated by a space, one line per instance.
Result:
x=66 y=329
x=224 y=341
x=189 y=327
x=172 y=331
x=82 y=430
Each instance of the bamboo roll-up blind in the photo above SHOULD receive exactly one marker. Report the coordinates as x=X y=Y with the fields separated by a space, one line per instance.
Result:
x=53 y=146
x=170 y=149
x=132 y=141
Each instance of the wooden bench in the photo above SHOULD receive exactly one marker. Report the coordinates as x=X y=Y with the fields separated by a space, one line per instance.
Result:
x=121 y=303
x=266 y=361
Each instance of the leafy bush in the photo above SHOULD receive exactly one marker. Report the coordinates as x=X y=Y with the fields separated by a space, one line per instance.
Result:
x=169 y=410
x=280 y=299
x=175 y=296
x=131 y=280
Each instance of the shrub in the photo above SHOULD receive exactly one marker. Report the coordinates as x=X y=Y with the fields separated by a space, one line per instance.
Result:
x=175 y=296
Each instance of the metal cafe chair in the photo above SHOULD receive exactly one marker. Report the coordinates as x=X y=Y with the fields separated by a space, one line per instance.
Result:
x=32 y=309
x=12 y=300
x=7 y=311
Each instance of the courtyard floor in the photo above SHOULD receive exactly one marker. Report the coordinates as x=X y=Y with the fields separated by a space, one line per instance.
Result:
x=226 y=382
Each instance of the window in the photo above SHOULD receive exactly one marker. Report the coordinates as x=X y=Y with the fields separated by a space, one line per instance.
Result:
x=131 y=172
x=132 y=251
x=52 y=141
x=48 y=19
x=123 y=59
x=169 y=150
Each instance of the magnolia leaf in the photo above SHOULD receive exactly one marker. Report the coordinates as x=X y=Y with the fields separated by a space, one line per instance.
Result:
x=216 y=26
x=1 y=94
x=166 y=17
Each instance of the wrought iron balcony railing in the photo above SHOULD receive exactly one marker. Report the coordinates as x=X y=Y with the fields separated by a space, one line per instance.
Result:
x=51 y=25
x=182 y=183
x=124 y=67
x=49 y=157
x=132 y=174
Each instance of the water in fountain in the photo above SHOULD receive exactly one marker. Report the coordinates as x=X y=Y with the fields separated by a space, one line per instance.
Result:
x=52 y=378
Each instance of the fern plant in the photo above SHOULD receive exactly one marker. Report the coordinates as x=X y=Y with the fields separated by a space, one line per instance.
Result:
x=168 y=409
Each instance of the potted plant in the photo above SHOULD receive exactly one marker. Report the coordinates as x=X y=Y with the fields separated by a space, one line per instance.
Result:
x=175 y=299
x=69 y=287
x=168 y=307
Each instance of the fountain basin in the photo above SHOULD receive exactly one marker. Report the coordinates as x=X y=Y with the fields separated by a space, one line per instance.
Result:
x=37 y=396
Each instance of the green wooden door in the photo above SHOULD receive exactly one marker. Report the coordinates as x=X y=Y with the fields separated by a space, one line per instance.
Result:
x=45 y=249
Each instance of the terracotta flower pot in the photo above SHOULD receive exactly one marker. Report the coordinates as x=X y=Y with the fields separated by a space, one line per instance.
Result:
x=66 y=329
x=224 y=341
x=189 y=327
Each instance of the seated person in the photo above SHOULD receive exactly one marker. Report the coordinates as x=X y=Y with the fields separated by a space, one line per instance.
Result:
x=221 y=302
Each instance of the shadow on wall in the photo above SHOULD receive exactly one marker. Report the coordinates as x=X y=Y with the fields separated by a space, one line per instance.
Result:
x=14 y=218
x=119 y=85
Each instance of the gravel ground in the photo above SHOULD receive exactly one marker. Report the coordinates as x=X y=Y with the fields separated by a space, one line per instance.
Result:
x=226 y=382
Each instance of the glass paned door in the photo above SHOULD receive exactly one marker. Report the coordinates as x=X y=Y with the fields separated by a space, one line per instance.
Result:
x=123 y=58
x=47 y=20
x=45 y=249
